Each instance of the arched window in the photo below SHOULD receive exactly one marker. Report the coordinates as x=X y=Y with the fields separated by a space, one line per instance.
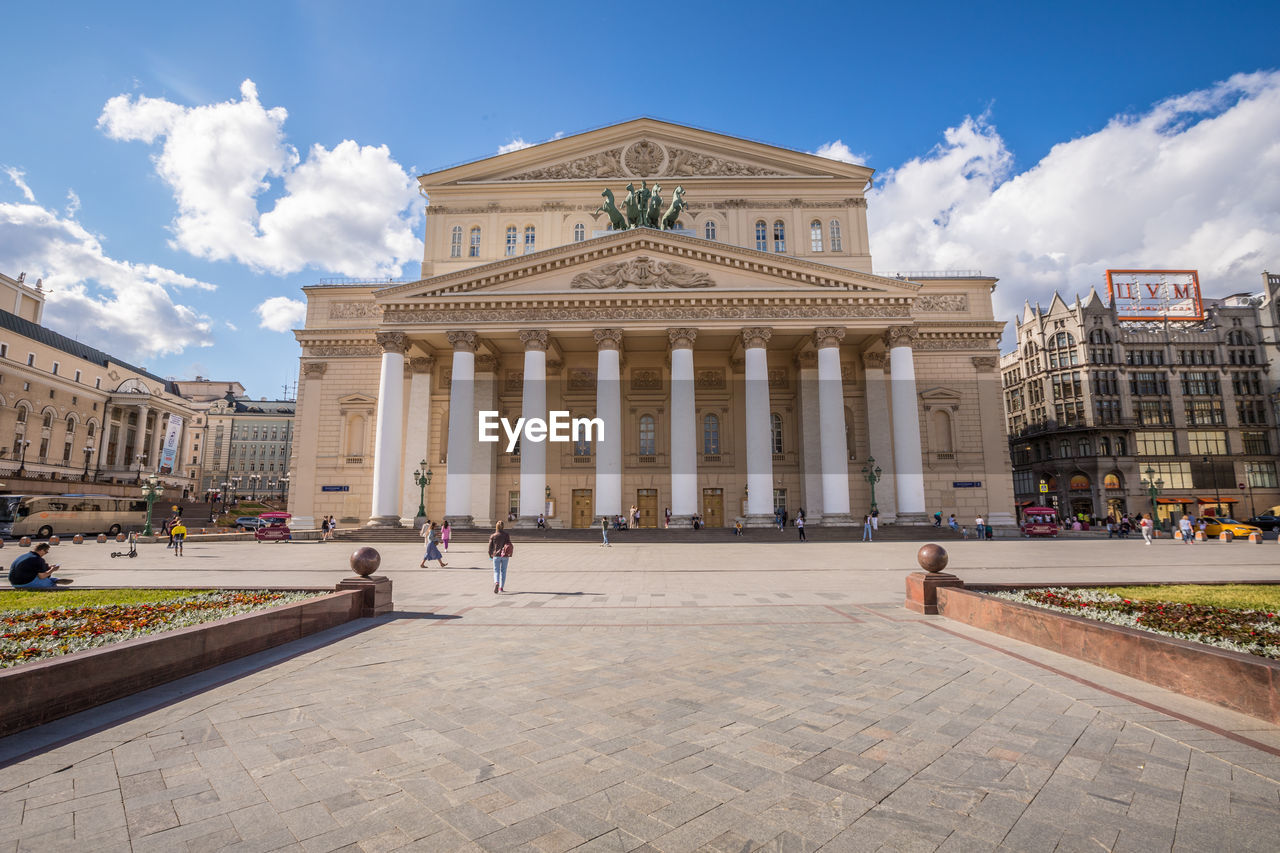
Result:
x=835 y=235
x=579 y=233
x=779 y=236
x=1084 y=448
x=93 y=429
x=1122 y=446
x=530 y=239
x=71 y=427
x=775 y=432
x=473 y=250
x=646 y=435
x=1064 y=448
x=942 y=432
x=815 y=236
x=709 y=230
x=48 y=419
x=762 y=236
x=22 y=414
x=1111 y=481
x=513 y=240
x=1104 y=446
x=711 y=435
x=455 y=242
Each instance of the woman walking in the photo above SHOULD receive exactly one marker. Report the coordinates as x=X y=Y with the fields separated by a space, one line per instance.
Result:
x=800 y=527
x=445 y=532
x=430 y=534
x=604 y=531
x=1145 y=524
x=500 y=551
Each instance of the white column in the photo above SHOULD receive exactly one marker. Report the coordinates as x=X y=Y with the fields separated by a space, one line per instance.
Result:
x=810 y=436
x=303 y=487
x=759 y=453
x=417 y=437
x=533 y=404
x=608 y=486
x=684 y=428
x=140 y=443
x=880 y=436
x=908 y=463
x=462 y=429
x=831 y=428
x=388 y=445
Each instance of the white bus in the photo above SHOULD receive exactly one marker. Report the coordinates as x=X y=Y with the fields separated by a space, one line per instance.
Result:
x=42 y=516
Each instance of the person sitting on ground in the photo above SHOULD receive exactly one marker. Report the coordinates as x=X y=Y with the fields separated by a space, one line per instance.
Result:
x=737 y=527
x=30 y=571
x=542 y=522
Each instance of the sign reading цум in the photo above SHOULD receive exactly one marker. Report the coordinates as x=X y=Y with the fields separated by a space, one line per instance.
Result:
x=1158 y=295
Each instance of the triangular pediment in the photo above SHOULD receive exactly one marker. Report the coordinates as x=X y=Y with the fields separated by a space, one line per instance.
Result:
x=643 y=260
x=357 y=400
x=644 y=149
x=938 y=396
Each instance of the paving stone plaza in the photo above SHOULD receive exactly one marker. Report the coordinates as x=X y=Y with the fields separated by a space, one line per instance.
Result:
x=668 y=697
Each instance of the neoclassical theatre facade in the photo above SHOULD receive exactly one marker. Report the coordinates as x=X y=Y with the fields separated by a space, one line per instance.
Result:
x=741 y=359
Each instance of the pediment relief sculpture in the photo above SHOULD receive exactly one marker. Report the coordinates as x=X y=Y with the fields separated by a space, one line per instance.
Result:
x=642 y=272
x=643 y=158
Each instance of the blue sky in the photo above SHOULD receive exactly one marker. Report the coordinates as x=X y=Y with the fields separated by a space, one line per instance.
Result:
x=163 y=201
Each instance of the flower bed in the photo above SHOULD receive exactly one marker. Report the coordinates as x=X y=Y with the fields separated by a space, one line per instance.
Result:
x=1252 y=631
x=37 y=634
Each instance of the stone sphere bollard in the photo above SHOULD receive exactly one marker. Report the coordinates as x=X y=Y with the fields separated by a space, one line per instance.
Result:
x=365 y=561
x=932 y=557
x=78 y=539
x=54 y=540
x=119 y=537
x=25 y=541
x=102 y=537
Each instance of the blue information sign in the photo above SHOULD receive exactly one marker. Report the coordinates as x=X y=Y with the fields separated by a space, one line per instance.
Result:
x=968 y=484
x=335 y=488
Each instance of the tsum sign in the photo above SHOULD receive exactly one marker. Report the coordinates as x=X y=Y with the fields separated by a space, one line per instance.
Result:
x=1159 y=295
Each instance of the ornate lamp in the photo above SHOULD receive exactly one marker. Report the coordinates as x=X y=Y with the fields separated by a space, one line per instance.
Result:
x=423 y=478
x=871 y=473
x=1153 y=485
x=151 y=491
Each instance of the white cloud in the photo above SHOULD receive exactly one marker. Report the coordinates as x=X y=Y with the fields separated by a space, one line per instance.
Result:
x=839 y=151
x=1193 y=183
x=124 y=308
x=349 y=210
x=230 y=325
x=281 y=314
x=514 y=145
x=73 y=204
x=19 y=180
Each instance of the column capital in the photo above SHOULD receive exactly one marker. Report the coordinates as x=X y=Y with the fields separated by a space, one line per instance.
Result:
x=827 y=336
x=396 y=342
x=682 y=338
x=314 y=369
x=462 y=341
x=756 y=336
x=984 y=363
x=607 y=339
x=535 y=339
x=900 y=336
x=873 y=360
x=421 y=364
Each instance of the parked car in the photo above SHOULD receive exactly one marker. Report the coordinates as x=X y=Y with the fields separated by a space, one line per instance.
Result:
x=1266 y=521
x=249 y=522
x=274 y=528
x=1214 y=526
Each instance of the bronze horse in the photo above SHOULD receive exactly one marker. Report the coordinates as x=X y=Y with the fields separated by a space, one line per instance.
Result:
x=616 y=222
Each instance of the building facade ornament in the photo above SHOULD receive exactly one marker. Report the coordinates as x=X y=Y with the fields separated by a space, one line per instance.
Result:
x=643 y=273
x=682 y=161
x=985 y=363
x=779 y=377
x=873 y=360
x=900 y=336
x=314 y=369
x=712 y=379
x=827 y=336
x=780 y=311
x=421 y=364
x=646 y=380
x=756 y=336
x=397 y=342
x=462 y=341
x=486 y=363
x=605 y=164
x=535 y=339
x=514 y=381
x=343 y=350
x=682 y=338
x=607 y=338
x=582 y=379
x=644 y=158
x=807 y=360
x=942 y=302
x=355 y=311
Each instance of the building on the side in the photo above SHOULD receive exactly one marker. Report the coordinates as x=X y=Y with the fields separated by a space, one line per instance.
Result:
x=247 y=446
x=742 y=359
x=72 y=413
x=1099 y=408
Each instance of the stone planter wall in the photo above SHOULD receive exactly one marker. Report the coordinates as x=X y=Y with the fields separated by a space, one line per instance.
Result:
x=1242 y=682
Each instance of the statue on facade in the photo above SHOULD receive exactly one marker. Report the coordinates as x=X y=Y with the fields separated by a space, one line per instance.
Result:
x=631 y=203
x=673 y=212
x=610 y=207
x=642 y=208
x=653 y=215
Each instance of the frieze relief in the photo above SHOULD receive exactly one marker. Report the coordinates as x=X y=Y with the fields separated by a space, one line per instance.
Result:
x=344 y=351
x=709 y=380
x=606 y=164
x=643 y=158
x=582 y=379
x=646 y=380
x=942 y=302
x=953 y=343
x=515 y=380
x=779 y=377
x=642 y=272
x=354 y=311
x=462 y=316
x=695 y=209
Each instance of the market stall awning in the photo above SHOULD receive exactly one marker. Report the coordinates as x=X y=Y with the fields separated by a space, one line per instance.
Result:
x=1176 y=501
x=1223 y=500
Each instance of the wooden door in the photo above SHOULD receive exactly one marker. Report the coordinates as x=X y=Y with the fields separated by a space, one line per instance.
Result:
x=647 y=503
x=713 y=507
x=582 y=510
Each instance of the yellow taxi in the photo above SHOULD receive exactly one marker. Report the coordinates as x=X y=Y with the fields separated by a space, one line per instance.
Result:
x=1213 y=526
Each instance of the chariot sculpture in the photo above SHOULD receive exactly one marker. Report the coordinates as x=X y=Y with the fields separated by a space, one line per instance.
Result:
x=642 y=208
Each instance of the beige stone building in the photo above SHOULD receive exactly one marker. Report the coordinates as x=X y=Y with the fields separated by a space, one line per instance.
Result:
x=70 y=413
x=745 y=359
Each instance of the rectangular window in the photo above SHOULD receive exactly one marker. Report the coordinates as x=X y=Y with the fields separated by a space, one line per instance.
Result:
x=1199 y=383
x=1212 y=443
x=97 y=383
x=31 y=359
x=1205 y=413
x=1251 y=412
x=1260 y=475
x=513 y=502
x=1108 y=411
x=1154 y=413
x=530 y=240
x=1176 y=475
x=779 y=500
x=55 y=368
x=77 y=376
x=1256 y=444
x=1154 y=443
x=4 y=350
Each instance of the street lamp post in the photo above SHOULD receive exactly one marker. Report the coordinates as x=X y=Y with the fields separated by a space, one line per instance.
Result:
x=151 y=491
x=1153 y=487
x=254 y=479
x=422 y=477
x=1217 y=495
x=1248 y=484
x=88 y=454
x=284 y=488
x=22 y=458
x=871 y=473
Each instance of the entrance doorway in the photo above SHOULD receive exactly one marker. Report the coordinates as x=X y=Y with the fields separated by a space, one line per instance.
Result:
x=582 y=512
x=713 y=507
x=647 y=503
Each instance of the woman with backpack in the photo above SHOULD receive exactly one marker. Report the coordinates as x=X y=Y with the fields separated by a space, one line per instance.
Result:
x=500 y=551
